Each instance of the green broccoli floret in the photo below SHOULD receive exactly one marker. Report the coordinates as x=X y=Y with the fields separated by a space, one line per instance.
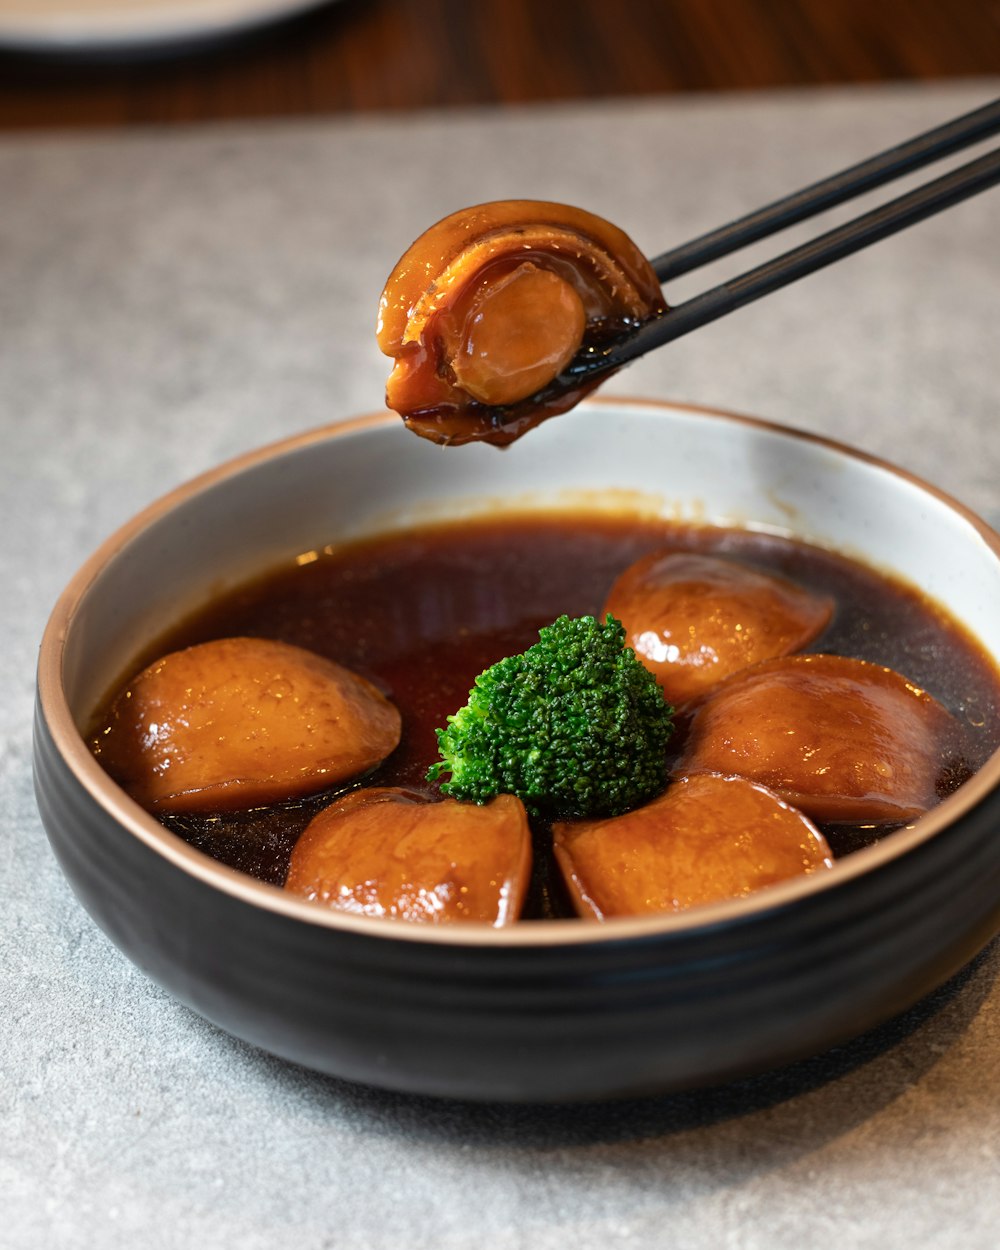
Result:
x=574 y=726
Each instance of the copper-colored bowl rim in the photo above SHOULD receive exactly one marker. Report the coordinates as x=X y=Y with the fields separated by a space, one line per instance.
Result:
x=547 y=933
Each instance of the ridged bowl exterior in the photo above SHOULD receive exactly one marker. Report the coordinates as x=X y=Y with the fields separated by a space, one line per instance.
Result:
x=556 y=1012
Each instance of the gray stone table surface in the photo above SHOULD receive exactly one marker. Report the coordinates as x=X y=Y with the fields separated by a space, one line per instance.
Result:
x=170 y=298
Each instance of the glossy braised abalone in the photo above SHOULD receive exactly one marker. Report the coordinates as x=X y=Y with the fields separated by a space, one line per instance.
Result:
x=491 y=305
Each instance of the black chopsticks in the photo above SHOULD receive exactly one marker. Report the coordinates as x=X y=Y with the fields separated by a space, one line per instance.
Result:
x=931 y=146
x=879 y=223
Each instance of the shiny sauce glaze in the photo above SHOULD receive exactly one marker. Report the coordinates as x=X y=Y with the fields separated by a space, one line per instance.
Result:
x=420 y=614
x=486 y=312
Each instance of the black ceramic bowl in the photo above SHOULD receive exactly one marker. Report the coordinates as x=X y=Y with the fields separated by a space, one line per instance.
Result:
x=556 y=1010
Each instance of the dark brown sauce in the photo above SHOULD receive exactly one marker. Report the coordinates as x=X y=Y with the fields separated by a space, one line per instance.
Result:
x=454 y=425
x=421 y=614
x=499 y=425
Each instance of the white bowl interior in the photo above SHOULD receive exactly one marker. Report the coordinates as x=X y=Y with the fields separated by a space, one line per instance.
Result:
x=678 y=462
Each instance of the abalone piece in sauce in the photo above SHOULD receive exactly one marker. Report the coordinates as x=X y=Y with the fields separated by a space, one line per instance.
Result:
x=695 y=619
x=706 y=839
x=840 y=738
x=488 y=307
x=240 y=722
x=396 y=852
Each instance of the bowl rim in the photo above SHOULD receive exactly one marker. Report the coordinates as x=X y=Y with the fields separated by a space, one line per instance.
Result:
x=76 y=755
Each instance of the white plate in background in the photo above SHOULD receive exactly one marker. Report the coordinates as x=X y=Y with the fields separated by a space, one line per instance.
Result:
x=79 y=25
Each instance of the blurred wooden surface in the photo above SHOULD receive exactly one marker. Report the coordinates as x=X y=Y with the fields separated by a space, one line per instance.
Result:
x=402 y=54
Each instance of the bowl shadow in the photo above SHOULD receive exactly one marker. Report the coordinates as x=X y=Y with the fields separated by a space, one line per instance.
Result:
x=803 y=1104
